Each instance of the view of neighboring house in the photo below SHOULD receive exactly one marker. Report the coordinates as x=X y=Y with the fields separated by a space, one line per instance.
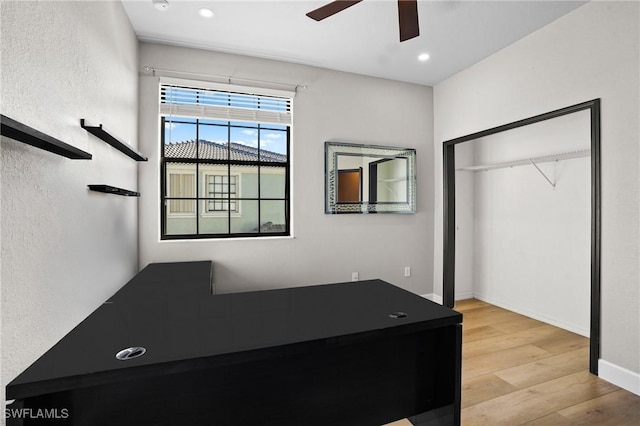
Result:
x=231 y=184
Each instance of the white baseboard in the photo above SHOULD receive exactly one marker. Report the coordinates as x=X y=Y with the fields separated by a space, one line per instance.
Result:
x=465 y=296
x=433 y=297
x=438 y=299
x=619 y=376
x=523 y=311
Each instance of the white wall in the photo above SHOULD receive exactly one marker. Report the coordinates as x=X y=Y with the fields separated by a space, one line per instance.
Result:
x=590 y=53
x=64 y=249
x=465 y=222
x=326 y=248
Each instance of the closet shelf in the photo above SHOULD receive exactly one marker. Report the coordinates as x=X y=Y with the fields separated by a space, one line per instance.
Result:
x=22 y=133
x=105 y=136
x=113 y=190
x=402 y=179
x=528 y=161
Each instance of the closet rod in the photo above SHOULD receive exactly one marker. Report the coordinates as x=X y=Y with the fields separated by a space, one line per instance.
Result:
x=527 y=161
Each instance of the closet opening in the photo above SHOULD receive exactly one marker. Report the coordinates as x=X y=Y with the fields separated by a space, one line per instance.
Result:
x=526 y=225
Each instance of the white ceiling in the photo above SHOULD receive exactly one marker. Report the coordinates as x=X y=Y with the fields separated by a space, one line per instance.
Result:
x=362 y=39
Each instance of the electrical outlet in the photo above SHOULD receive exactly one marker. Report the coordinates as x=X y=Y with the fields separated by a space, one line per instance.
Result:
x=407 y=271
x=354 y=276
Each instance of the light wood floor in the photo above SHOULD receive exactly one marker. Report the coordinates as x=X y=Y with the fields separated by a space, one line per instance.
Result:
x=519 y=371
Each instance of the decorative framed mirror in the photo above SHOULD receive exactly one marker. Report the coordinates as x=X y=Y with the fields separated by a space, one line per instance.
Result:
x=369 y=179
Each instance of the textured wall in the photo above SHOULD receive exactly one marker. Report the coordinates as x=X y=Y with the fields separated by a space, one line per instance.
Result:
x=590 y=53
x=326 y=248
x=64 y=249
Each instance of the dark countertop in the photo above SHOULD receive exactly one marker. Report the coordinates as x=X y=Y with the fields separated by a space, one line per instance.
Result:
x=166 y=282
x=192 y=329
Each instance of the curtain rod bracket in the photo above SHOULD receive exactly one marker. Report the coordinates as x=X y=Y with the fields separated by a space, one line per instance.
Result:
x=229 y=79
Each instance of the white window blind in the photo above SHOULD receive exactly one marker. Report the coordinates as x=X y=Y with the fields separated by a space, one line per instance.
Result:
x=225 y=102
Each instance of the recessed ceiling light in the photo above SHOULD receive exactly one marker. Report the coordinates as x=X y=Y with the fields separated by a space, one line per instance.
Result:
x=423 y=57
x=161 y=5
x=206 y=13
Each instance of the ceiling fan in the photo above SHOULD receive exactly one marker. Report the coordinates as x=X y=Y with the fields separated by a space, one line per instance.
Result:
x=407 y=15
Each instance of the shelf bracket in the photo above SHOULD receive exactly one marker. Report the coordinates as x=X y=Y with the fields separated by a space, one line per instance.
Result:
x=553 y=185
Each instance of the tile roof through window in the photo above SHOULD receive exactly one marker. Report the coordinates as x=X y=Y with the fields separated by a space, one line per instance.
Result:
x=208 y=150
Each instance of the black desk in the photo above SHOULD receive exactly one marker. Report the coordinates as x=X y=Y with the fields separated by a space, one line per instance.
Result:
x=319 y=355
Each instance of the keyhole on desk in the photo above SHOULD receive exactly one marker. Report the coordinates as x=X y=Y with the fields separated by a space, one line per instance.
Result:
x=130 y=353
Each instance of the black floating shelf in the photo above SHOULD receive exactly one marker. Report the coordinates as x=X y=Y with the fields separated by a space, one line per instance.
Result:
x=113 y=190
x=120 y=146
x=23 y=133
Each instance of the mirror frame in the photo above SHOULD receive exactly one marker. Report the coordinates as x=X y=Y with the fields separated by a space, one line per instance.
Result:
x=334 y=149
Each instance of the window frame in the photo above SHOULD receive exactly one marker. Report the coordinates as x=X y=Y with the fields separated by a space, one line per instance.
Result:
x=200 y=186
x=204 y=198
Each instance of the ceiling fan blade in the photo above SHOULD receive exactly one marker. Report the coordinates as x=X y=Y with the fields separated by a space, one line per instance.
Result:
x=408 y=19
x=331 y=9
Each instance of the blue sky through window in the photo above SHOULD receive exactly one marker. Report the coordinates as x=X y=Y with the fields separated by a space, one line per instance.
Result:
x=272 y=138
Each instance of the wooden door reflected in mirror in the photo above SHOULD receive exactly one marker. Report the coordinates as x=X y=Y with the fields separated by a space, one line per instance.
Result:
x=350 y=186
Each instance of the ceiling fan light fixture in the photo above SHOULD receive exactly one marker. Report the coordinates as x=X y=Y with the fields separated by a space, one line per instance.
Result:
x=161 y=5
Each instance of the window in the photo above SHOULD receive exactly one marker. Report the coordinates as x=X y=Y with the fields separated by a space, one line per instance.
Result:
x=221 y=189
x=225 y=168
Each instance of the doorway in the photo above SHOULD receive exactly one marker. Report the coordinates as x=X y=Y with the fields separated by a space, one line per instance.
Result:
x=350 y=186
x=449 y=234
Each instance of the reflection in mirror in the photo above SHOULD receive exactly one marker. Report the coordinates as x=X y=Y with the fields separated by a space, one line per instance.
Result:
x=369 y=179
